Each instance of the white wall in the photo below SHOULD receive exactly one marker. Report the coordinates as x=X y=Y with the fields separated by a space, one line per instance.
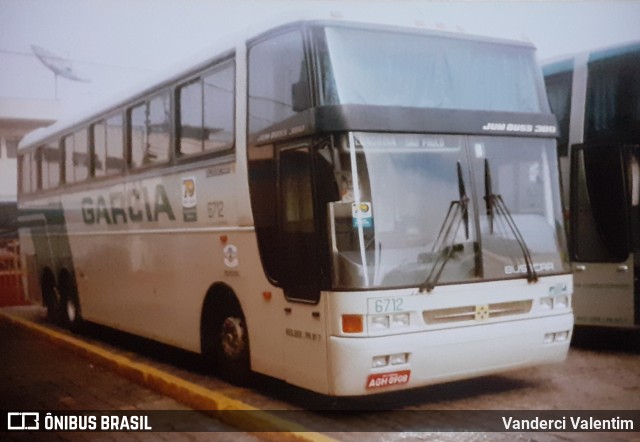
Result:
x=8 y=174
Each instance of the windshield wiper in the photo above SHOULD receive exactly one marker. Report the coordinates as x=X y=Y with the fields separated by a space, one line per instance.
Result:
x=496 y=206
x=444 y=245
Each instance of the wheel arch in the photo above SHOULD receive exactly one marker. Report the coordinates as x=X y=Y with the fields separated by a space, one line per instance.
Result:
x=218 y=297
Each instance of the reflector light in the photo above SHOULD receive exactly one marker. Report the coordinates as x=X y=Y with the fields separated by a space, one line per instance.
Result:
x=352 y=324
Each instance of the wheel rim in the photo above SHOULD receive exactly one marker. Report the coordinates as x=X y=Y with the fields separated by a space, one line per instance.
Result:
x=71 y=310
x=232 y=337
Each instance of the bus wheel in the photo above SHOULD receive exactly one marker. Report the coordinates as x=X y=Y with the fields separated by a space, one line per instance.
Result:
x=50 y=297
x=71 y=305
x=229 y=343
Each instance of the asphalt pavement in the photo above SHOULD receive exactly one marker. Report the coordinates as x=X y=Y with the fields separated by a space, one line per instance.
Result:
x=36 y=374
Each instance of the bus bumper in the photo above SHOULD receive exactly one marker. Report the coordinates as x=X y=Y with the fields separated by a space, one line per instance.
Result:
x=438 y=356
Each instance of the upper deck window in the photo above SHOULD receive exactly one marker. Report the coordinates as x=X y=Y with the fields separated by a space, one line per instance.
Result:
x=376 y=67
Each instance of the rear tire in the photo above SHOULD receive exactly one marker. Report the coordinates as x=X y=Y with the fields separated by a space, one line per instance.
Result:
x=71 y=312
x=51 y=297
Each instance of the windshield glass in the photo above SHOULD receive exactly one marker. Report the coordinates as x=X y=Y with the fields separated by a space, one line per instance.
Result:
x=401 y=221
x=524 y=173
x=427 y=71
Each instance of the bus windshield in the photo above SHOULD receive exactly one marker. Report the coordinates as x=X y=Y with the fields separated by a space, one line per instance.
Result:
x=416 y=202
x=427 y=71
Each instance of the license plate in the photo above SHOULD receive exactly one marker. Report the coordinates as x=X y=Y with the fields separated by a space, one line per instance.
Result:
x=381 y=380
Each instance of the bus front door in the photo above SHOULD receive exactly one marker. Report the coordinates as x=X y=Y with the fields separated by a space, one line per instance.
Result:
x=601 y=235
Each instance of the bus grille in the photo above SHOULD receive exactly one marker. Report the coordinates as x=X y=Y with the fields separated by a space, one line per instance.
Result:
x=476 y=312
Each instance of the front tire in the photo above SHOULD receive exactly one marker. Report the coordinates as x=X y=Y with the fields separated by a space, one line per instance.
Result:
x=226 y=341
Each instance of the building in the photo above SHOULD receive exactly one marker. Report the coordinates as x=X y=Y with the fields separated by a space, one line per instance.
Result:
x=17 y=117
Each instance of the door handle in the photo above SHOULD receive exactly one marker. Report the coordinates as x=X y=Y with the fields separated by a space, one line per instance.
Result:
x=581 y=268
x=623 y=268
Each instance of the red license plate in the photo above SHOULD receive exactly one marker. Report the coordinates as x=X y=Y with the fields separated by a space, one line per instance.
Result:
x=381 y=380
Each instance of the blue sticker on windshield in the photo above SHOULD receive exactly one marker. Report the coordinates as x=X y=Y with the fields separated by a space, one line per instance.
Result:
x=362 y=215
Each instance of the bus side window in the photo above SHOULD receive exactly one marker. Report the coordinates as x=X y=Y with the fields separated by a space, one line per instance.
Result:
x=80 y=156
x=67 y=172
x=276 y=68
x=108 y=147
x=191 y=135
x=25 y=167
x=51 y=161
x=206 y=112
x=98 y=132
x=114 y=162
x=76 y=157
x=559 y=96
x=218 y=122
x=149 y=134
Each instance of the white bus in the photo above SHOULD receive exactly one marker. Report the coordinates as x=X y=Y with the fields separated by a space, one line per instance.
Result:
x=351 y=208
x=596 y=98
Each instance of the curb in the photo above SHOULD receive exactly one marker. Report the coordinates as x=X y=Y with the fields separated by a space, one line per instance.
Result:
x=258 y=422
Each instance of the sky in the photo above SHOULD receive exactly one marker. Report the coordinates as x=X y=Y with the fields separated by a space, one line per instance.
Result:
x=115 y=43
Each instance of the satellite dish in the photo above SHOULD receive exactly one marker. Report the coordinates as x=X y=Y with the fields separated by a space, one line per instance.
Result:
x=58 y=65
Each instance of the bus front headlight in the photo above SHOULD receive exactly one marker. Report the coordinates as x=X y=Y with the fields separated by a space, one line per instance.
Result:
x=546 y=303
x=400 y=320
x=380 y=361
x=561 y=302
x=380 y=322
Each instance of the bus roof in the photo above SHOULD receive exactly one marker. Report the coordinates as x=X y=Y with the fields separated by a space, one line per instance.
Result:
x=565 y=63
x=615 y=51
x=225 y=47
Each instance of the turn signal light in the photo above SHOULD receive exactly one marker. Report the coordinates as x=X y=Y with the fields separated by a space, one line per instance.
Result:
x=352 y=324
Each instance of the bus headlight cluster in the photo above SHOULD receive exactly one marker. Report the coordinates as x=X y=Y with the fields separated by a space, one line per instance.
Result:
x=555 y=302
x=383 y=322
x=394 y=359
x=355 y=323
